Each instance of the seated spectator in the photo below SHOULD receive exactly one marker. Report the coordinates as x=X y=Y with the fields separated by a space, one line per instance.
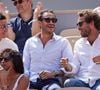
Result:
x=86 y=63
x=42 y=54
x=11 y=61
x=4 y=42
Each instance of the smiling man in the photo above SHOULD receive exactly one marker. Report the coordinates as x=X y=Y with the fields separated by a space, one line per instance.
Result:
x=43 y=52
x=86 y=63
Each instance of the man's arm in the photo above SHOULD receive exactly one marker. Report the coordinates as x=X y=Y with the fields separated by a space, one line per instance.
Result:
x=10 y=33
x=35 y=24
x=65 y=64
x=48 y=74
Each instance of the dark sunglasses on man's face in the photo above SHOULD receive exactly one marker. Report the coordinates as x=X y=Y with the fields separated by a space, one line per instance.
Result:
x=79 y=24
x=17 y=2
x=48 y=20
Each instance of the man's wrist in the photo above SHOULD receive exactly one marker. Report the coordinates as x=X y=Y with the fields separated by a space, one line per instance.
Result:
x=57 y=73
x=68 y=67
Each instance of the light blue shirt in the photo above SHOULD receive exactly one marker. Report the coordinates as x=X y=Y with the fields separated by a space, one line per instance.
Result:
x=38 y=58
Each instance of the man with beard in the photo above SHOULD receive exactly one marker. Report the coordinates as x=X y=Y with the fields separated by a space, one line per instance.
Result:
x=86 y=62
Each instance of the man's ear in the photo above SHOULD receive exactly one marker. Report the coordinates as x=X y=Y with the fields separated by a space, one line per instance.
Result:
x=40 y=23
x=92 y=24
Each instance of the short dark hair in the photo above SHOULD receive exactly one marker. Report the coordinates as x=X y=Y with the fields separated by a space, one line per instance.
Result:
x=2 y=17
x=40 y=18
x=90 y=16
x=16 y=59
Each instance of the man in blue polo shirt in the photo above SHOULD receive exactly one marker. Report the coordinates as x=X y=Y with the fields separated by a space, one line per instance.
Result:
x=21 y=25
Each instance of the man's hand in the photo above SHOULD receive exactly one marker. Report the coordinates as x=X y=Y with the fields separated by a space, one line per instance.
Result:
x=4 y=11
x=64 y=63
x=46 y=74
x=38 y=9
x=96 y=59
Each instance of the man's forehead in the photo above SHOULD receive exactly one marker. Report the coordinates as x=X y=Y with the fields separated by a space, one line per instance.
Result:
x=81 y=19
x=48 y=14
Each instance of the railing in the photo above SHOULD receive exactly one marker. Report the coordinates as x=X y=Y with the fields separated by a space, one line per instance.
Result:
x=60 y=12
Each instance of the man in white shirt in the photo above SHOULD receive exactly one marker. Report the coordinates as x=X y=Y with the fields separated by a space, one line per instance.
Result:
x=86 y=62
x=42 y=54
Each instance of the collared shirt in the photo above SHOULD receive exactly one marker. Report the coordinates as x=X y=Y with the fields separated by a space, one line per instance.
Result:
x=84 y=67
x=22 y=30
x=38 y=58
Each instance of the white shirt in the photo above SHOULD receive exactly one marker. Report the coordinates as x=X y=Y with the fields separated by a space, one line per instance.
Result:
x=38 y=58
x=7 y=43
x=86 y=69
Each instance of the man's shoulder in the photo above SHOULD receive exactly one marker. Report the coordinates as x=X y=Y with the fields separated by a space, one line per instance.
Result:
x=33 y=38
x=61 y=38
x=15 y=18
x=7 y=40
x=80 y=41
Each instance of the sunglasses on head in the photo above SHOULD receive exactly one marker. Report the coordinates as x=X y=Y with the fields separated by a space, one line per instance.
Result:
x=80 y=23
x=48 y=20
x=17 y=2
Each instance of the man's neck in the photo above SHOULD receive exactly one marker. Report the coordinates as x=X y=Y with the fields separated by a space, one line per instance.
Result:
x=93 y=37
x=45 y=38
x=26 y=16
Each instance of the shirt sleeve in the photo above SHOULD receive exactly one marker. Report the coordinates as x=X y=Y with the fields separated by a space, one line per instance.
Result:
x=73 y=59
x=67 y=50
x=26 y=58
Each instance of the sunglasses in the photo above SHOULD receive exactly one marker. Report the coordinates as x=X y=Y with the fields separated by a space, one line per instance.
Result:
x=4 y=27
x=17 y=2
x=48 y=20
x=80 y=23
x=3 y=59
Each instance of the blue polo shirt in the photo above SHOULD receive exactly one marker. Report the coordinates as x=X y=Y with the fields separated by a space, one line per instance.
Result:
x=22 y=30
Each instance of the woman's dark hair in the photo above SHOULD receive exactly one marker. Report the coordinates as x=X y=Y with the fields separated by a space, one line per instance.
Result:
x=16 y=59
x=40 y=18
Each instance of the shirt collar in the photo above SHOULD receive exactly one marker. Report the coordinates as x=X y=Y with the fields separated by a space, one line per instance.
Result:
x=19 y=16
x=98 y=38
x=55 y=37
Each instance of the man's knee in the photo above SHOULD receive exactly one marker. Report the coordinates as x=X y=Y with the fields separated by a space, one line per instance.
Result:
x=67 y=83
